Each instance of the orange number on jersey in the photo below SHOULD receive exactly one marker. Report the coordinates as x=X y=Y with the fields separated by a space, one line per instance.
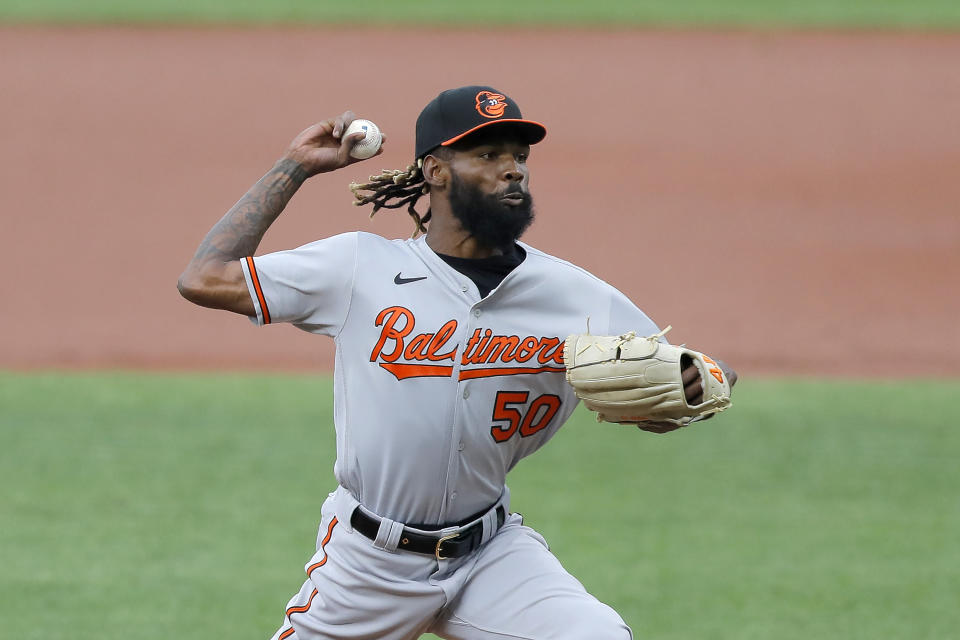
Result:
x=510 y=415
x=537 y=416
x=535 y=420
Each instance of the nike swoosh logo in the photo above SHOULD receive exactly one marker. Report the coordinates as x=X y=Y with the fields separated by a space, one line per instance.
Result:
x=399 y=280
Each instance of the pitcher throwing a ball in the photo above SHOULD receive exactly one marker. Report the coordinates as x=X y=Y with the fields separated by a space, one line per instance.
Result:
x=450 y=369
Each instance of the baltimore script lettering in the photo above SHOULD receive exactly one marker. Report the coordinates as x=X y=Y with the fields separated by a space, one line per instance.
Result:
x=408 y=356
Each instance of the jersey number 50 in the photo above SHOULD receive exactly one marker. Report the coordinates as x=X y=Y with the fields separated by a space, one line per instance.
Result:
x=526 y=419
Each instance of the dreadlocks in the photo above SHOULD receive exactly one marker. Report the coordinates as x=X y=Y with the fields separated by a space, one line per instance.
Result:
x=393 y=189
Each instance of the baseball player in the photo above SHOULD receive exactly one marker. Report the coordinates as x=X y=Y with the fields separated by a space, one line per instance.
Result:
x=449 y=370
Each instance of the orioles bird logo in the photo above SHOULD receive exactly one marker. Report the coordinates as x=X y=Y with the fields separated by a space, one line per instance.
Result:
x=490 y=104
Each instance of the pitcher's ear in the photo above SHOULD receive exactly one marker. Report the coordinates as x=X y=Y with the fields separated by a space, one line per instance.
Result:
x=436 y=172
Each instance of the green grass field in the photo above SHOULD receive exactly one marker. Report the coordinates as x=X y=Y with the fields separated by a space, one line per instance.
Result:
x=158 y=506
x=937 y=14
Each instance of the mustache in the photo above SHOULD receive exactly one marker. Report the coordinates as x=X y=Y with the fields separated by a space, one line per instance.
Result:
x=514 y=189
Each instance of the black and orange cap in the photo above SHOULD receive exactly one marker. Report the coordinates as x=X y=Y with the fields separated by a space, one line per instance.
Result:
x=456 y=113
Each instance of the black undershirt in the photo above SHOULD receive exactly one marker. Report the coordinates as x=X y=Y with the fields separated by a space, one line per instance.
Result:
x=487 y=273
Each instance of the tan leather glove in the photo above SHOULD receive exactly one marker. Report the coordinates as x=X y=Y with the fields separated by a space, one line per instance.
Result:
x=629 y=379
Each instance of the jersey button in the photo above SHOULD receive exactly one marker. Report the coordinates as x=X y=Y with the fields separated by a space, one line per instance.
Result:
x=453 y=496
x=466 y=393
x=464 y=288
x=476 y=313
x=460 y=447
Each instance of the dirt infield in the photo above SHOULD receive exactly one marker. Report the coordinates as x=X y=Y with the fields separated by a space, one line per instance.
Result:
x=790 y=202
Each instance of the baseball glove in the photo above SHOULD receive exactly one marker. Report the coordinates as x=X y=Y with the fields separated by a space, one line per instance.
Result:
x=629 y=379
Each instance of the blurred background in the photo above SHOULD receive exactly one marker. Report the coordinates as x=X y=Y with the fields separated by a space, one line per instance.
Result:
x=776 y=180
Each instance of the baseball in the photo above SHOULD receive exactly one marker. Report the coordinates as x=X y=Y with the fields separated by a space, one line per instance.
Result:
x=368 y=146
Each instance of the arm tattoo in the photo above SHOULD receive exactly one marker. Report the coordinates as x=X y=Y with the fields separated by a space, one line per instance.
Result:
x=239 y=232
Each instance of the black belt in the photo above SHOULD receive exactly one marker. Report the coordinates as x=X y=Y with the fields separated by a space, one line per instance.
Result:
x=455 y=545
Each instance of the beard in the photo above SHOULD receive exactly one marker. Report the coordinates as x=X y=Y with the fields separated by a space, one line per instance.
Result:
x=492 y=223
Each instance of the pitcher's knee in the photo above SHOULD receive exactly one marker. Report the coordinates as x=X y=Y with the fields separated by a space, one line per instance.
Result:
x=600 y=625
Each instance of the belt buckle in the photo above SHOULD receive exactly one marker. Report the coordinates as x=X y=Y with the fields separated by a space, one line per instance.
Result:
x=440 y=542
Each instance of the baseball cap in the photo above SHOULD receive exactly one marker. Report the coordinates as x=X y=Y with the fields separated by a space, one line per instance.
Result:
x=456 y=113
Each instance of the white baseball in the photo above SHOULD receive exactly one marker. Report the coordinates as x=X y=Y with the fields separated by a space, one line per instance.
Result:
x=368 y=145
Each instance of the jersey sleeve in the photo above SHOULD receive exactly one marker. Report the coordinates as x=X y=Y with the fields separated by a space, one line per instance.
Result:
x=625 y=316
x=310 y=286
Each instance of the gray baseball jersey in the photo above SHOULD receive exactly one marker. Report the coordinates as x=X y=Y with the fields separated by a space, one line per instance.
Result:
x=437 y=392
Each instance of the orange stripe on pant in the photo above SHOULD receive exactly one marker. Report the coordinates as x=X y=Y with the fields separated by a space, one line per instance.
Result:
x=323 y=544
x=292 y=610
x=256 y=287
x=303 y=608
x=306 y=607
